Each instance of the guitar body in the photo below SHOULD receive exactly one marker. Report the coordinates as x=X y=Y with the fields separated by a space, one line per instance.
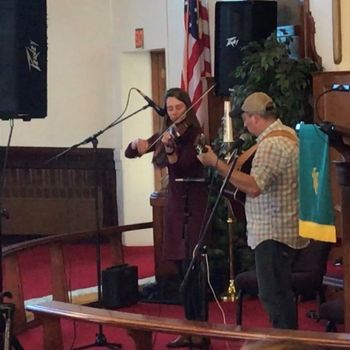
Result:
x=244 y=164
x=237 y=197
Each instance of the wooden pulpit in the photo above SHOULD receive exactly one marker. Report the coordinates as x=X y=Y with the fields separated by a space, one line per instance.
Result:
x=163 y=267
x=333 y=107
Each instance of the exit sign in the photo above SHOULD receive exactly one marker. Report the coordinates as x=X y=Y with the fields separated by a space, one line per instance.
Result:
x=139 y=38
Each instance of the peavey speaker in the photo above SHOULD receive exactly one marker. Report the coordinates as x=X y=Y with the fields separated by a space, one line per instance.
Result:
x=23 y=59
x=238 y=23
x=120 y=286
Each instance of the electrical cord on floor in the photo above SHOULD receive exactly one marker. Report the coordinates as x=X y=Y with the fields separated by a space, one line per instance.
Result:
x=214 y=295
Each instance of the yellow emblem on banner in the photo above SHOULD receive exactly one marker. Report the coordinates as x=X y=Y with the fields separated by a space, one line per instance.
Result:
x=314 y=176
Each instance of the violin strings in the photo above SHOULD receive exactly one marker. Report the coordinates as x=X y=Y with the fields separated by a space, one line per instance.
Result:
x=182 y=116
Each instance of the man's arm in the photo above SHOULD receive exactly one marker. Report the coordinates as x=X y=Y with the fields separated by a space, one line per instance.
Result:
x=244 y=182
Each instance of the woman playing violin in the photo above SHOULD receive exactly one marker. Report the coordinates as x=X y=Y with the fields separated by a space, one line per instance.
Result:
x=187 y=193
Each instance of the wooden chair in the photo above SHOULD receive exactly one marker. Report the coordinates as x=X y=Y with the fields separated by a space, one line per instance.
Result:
x=308 y=270
x=333 y=312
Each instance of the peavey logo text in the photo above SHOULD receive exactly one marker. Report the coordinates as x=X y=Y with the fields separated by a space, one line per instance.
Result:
x=232 y=41
x=32 y=56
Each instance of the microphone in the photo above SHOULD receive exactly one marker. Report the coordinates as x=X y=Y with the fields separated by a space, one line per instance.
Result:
x=240 y=141
x=152 y=104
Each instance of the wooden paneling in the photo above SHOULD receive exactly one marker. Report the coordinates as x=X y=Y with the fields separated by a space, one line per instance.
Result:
x=163 y=268
x=332 y=106
x=215 y=112
x=57 y=197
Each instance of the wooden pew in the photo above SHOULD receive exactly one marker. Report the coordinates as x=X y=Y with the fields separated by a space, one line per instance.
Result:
x=140 y=327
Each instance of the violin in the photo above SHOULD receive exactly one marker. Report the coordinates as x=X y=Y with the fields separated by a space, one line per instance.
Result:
x=181 y=125
x=177 y=130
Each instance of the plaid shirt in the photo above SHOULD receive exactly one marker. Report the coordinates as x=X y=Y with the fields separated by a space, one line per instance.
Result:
x=274 y=213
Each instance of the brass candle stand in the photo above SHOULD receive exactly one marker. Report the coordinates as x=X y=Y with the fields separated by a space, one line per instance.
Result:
x=230 y=295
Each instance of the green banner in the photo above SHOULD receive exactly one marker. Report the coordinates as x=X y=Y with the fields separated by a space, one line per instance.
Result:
x=316 y=212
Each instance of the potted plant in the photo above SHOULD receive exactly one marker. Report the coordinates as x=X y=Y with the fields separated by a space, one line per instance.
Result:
x=268 y=66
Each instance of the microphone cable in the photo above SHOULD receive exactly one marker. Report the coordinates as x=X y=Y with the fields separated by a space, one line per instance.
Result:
x=3 y=213
x=4 y=165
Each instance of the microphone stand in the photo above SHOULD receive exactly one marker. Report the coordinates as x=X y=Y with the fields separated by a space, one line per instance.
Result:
x=94 y=136
x=100 y=340
x=199 y=247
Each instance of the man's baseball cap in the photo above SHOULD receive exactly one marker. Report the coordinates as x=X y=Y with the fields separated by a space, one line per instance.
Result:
x=258 y=102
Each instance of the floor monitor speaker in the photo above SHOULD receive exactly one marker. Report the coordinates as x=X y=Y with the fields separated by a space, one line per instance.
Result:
x=238 y=23
x=23 y=59
x=119 y=286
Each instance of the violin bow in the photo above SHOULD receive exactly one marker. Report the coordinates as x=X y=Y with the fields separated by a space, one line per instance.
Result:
x=182 y=116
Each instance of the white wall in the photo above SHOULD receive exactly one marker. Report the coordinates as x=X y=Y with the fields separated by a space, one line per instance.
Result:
x=175 y=33
x=322 y=13
x=136 y=175
x=345 y=64
x=80 y=87
x=132 y=68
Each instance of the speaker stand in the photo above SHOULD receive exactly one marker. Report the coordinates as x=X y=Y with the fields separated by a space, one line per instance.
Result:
x=7 y=310
x=100 y=340
x=8 y=340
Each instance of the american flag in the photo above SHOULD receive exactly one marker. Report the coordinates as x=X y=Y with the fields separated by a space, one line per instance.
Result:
x=196 y=64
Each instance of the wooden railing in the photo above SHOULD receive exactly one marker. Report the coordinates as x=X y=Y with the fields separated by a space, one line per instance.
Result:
x=141 y=327
x=55 y=244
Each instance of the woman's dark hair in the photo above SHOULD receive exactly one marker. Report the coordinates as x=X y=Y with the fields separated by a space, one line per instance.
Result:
x=182 y=96
x=159 y=156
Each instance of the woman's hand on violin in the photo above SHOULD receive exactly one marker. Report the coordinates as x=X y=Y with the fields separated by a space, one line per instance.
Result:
x=168 y=142
x=140 y=145
x=168 y=139
x=208 y=158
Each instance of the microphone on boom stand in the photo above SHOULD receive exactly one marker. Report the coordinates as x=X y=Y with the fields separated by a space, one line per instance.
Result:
x=151 y=103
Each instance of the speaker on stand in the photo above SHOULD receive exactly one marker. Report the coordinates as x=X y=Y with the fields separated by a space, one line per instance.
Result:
x=237 y=23
x=23 y=59
x=120 y=286
x=23 y=85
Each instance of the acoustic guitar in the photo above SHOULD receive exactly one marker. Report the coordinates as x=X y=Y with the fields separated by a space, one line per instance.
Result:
x=244 y=164
x=232 y=193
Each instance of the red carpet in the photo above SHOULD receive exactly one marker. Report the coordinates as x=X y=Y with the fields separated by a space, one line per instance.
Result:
x=82 y=273
x=81 y=266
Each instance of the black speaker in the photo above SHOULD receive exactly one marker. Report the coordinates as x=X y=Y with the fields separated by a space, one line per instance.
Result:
x=119 y=286
x=23 y=59
x=238 y=23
